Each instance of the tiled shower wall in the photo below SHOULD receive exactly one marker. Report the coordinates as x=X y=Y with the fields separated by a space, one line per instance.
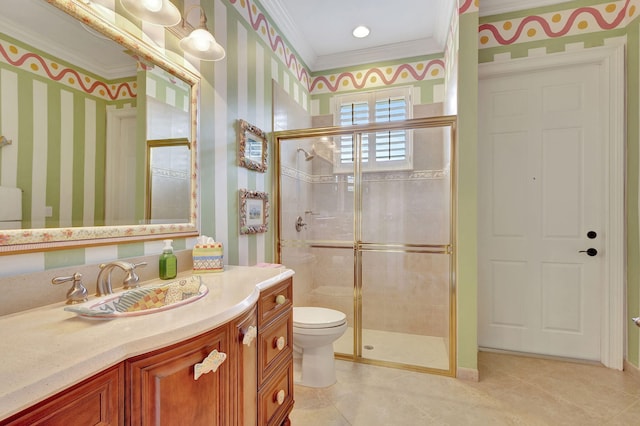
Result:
x=402 y=292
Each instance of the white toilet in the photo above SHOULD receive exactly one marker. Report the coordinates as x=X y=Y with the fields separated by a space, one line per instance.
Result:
x=314 y=331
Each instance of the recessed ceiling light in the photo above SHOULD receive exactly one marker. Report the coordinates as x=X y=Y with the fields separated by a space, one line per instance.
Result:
x=361 y=31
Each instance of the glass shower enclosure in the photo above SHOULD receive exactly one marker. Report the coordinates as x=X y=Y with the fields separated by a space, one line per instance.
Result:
x=365 y=218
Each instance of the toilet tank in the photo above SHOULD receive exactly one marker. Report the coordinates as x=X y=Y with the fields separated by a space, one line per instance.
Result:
x=10 y=208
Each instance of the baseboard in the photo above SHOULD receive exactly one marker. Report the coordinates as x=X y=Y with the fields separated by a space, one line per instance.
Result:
x=631 y=369
x=468 y=374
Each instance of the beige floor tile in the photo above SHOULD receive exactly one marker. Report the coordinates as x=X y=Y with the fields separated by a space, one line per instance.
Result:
x=631 y=416
x=513 y=390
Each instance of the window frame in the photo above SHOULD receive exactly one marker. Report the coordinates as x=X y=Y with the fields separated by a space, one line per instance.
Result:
x=371 y=98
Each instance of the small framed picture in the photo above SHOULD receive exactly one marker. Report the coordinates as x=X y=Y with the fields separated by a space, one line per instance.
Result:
x=252 y=147
x=254 y=211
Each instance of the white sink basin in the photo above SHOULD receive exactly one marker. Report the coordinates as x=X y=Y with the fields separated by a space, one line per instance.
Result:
x=144 y=300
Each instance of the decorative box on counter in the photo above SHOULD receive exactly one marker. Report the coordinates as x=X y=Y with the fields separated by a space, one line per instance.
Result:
x=207 y=257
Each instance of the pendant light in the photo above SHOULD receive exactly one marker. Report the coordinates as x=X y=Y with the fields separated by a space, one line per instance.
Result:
x=158 y=12
x=201 y=43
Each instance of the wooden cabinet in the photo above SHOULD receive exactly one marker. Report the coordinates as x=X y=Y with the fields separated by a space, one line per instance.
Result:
x=252 y=387
x=275 y=355
x=95 y=401
x=162 y=388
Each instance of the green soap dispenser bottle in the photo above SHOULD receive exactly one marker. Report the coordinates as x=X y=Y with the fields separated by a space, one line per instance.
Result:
x=168 y=262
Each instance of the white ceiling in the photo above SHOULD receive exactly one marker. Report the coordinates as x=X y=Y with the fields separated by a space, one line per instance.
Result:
x=321 y=31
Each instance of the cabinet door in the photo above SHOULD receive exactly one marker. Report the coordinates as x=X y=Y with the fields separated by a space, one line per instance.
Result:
x=96 y=401
x=245 y=377
x=163 y=391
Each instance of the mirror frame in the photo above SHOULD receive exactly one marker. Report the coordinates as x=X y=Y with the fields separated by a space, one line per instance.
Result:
x=248 y=131
x=28 y=240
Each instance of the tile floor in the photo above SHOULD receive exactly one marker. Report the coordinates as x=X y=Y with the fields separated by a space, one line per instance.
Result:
x=512 y=390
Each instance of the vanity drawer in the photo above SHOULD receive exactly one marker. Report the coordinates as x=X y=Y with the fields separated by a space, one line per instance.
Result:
x=276 y=397
x=275 y=343
x=274 y=301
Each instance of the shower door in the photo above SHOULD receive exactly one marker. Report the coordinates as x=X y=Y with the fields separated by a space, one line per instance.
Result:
x=375 y=236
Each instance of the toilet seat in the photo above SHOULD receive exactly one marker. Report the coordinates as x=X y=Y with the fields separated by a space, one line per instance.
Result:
x=314 y=317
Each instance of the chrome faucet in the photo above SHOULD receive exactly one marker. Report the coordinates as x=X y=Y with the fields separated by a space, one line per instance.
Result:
x=103 y=283
x=77 y=293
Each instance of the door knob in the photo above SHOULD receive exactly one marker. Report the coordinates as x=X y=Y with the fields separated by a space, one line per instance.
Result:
x=590 y=251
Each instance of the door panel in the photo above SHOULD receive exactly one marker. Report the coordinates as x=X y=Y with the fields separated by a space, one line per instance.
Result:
x=562 y=180
x=507 y=293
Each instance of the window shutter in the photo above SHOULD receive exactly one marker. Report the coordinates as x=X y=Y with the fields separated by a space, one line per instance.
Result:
x=391 y=145
x=381 y=151
x=350 y=114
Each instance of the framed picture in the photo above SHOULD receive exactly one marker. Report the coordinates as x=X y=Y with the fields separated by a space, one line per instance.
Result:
x=254 y=211
x=252 y=147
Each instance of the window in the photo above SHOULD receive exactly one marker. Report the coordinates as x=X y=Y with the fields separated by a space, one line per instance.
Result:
x=390 y=150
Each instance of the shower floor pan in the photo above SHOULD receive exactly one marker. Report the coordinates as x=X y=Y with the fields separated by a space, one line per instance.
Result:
x=411 y=349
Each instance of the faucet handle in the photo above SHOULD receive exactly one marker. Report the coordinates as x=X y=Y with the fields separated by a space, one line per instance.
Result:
x=131 y=280
x=77 y=293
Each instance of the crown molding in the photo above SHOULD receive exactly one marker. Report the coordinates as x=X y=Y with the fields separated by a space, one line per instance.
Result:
x=279 y=15
x=420 y=47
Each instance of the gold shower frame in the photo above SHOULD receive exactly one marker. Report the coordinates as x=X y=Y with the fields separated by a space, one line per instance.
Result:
x=358 y=246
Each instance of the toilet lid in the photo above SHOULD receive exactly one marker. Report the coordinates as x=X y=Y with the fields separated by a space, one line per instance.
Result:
x=312 y=317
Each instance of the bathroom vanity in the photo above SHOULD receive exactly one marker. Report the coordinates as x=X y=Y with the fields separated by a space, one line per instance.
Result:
x=59 y=368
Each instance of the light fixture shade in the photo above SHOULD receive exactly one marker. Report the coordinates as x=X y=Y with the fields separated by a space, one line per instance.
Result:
x=202 y=45
x=166 y=15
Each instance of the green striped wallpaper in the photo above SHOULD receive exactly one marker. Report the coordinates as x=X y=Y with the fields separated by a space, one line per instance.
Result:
x=59 y=139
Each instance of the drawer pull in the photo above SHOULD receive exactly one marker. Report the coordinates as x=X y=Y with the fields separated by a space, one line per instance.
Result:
x=250 y=335
x=279 y=397
x=210 y=363
x=280 y=299
x=279 y=343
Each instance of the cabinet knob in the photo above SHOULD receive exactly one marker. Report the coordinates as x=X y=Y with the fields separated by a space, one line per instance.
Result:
x=250 y=335
x=280 y=299
x=279 y=343
x=279 y=397
x=210 y=363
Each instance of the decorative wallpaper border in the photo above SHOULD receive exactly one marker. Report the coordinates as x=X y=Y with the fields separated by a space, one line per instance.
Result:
x=26 y=60
x=468 y=6
x=379 y=76
x=410 y=175
x=583 y=20
x=258 y=21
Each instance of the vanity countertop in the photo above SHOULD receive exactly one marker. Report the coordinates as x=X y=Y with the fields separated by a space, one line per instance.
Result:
x=48 y=349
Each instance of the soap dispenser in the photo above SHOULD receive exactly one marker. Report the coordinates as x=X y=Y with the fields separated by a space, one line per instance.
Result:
x=168 y=262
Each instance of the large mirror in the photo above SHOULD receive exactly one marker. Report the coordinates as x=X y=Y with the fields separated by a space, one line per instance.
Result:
x=78 y=109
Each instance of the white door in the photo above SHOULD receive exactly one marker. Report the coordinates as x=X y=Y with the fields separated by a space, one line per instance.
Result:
x=541 y=199
x=120 y=167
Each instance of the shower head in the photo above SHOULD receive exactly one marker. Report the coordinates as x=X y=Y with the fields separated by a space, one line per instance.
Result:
x=307 y=156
